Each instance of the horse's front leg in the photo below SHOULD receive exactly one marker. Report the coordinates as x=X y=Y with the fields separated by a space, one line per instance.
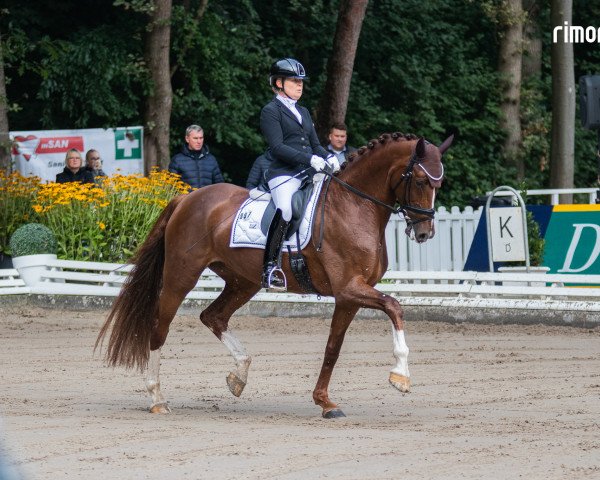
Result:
x=342 y=316
x=369 y=297
x=399 y=376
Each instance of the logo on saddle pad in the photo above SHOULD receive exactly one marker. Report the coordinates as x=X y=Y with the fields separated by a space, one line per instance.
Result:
x=247 y=230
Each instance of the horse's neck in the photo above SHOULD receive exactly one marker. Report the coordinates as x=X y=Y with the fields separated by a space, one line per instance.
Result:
x=371 y=172
x=371 y=176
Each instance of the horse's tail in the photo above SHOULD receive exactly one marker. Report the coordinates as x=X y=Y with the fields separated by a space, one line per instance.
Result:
x=133 y=314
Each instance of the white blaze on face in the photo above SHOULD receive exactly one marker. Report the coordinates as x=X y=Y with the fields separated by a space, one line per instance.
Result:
x=400 y=353
x=433 y=199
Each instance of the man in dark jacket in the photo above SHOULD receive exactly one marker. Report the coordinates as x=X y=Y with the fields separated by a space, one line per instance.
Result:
x=74 y=171
x=338 y=135
x=197 y=167
x=257 y=172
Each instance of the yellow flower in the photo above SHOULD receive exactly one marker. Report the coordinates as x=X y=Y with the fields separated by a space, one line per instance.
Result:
x=101 y=225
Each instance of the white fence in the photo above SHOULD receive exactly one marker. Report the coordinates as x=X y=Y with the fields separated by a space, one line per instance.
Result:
x=446 y=251
x=445 y=289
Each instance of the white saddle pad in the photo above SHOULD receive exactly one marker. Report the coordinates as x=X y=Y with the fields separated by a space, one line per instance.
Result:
x=246 y=231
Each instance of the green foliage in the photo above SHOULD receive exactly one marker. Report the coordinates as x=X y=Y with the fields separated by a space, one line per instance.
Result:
x=536 y=242
x=534 y=237
x=421 y=67
x=32 y=239
x=220 y=82
x=94 y=80
x=16 y=196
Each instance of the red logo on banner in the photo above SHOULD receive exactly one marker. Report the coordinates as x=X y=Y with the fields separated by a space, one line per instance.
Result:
x=25 y=145
x=59 y=144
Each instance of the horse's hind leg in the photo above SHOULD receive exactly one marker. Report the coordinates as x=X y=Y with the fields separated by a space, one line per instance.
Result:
x=216 y=317
x=173 y=293
x=159 y=404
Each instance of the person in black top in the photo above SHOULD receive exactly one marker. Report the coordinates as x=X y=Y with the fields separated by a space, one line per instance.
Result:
x=295 y=153
x=74 y=171
x=93 y=164
x=257 y=172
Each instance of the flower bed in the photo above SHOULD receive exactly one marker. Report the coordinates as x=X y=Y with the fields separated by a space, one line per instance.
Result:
x=104 y=222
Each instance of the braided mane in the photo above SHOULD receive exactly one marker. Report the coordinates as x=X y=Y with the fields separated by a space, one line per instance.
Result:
x=377 y=143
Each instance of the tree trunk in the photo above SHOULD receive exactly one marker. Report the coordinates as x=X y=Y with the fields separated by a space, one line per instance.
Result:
x=157 y=116
x=5 y=160
x=532 y=40
x=563 y=103
x=334 y=100
x=509 y=67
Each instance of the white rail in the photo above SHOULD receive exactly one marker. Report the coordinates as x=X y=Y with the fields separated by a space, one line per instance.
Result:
x=555 y=193
x=445 y=288
x=446 y=251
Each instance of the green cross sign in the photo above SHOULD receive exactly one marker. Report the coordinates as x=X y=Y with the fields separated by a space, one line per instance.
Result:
x=128 y=144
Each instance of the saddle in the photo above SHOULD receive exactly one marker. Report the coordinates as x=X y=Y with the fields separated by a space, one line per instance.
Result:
x=299 y=203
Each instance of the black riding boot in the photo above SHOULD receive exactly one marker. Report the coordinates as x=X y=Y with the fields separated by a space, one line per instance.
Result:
x=273 y=277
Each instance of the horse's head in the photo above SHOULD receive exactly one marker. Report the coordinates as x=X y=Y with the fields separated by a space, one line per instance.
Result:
x=416 y=188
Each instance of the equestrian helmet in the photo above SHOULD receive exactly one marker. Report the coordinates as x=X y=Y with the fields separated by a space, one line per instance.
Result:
x=286 y=68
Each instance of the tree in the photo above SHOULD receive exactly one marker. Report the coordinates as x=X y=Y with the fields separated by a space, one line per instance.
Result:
x=532 y=40
x=4 y=138
x=334 y=98
x=563 y=102
x=157 y=114
x=509 y=66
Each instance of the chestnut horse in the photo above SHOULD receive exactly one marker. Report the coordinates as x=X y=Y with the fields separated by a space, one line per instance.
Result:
x=193 y=233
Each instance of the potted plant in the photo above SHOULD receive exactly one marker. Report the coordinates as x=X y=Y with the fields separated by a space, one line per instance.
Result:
x=32 y=246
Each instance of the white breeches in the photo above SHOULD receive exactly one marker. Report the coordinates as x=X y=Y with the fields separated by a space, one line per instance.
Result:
x=282 y=189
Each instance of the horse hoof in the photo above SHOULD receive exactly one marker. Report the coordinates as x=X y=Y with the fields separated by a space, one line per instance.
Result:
x=160 y=408
x=236 y=386
x=400 y=382
x=335 y=413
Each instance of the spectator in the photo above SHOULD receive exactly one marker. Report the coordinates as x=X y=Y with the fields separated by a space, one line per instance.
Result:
x=93 y=164
x=74 y=171
x=197 y=167
x=338 y=136
x=257 y=172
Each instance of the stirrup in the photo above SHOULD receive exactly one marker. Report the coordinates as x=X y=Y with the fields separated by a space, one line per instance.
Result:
x=274 y=280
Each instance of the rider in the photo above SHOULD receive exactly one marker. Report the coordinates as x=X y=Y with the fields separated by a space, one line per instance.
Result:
x=293 y=147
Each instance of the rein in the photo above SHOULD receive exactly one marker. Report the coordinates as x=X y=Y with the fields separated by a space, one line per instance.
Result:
x=404 y=209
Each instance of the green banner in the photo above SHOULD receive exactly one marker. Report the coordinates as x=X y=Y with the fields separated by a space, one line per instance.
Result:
x=573 y=240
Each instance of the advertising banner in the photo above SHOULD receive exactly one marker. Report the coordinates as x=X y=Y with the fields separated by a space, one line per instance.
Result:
x=42 y=153
x=573 y=240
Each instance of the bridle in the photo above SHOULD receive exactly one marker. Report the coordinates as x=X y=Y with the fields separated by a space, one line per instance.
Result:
x=405 y=207
x=428 y=213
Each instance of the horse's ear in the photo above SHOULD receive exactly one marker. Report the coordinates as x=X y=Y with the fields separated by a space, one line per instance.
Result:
x=446 y=144
x=420 y=148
